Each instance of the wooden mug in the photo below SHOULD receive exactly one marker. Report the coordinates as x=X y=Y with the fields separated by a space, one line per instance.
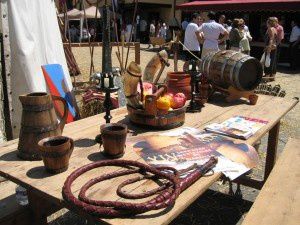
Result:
x=55 y=152
x=113 y=139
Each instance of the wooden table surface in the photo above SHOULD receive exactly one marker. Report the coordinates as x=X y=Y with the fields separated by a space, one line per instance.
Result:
x=48 y=187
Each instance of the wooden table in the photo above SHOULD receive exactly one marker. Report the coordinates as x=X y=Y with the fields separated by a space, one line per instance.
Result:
x=45 y=189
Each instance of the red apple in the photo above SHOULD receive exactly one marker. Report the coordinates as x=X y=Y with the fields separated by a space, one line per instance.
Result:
x=169 y=96
x=178 y=101
x=180 y=95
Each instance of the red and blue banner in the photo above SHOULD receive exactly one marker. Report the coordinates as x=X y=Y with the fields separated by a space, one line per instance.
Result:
x=57 y=85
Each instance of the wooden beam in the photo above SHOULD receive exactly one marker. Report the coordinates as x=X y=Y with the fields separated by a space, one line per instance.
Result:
x=99 y=44
x=6 y=72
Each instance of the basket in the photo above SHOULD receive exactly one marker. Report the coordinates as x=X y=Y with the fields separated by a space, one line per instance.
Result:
x=153 y=117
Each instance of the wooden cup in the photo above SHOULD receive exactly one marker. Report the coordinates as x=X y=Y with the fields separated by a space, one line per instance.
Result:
x=113 y=139
x=56 y=152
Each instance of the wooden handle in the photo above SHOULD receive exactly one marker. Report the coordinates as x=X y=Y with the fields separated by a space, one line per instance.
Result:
x=66 y=110
x=160 y=92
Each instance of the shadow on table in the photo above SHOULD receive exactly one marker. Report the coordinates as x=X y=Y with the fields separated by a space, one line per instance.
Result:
x=11 y=156
x=38 y=173
x=220 y=100
x=136 y=129
x=96 y=156
x=214 y=208
x=85 y=142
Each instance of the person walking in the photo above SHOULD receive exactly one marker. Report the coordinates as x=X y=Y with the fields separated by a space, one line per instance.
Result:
x=211 y=31
x=184 y=24
x=235 y=35
x=245 y=42
x=270 y=49
x=129 y=31
x=163 y=31
x=192 y=38
x=294 y=44
x=143 y=30
x=152 y=29
x=222 y=19
x=280 y=37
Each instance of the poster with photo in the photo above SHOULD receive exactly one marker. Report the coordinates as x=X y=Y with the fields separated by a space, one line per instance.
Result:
x=186 y=146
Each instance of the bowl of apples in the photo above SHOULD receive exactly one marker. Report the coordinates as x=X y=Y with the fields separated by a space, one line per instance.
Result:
x=161 y=109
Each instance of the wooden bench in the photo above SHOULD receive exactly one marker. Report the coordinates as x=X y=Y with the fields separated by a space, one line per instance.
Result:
x=278 y=203
x=11 y=213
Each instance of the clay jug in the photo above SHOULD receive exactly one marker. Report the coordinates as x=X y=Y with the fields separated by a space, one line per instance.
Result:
x=39 y=120
x=179 y=82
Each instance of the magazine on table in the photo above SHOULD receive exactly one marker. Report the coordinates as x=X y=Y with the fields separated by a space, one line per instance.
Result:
x=237 y=127
x=183 y=147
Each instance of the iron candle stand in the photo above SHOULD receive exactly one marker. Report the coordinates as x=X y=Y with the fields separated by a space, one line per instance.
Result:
x=195 y=103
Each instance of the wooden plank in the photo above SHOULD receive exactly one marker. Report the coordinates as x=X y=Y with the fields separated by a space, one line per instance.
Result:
x=6 y=79
x=279 y=200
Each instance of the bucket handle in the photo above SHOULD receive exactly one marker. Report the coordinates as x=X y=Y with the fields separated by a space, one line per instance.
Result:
x=65 y=115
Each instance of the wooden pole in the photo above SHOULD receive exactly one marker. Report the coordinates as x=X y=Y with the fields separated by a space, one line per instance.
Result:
x=6 y=73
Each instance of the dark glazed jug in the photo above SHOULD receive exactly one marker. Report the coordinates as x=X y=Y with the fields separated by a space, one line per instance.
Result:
x=39 y=121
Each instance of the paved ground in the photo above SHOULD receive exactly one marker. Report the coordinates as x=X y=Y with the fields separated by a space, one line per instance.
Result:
x=215 y=206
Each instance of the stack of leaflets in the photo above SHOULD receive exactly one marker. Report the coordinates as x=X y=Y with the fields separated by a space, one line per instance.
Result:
x=237 y=127
x=186 y=146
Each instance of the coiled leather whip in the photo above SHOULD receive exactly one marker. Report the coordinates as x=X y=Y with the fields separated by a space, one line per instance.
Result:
x=167 y=193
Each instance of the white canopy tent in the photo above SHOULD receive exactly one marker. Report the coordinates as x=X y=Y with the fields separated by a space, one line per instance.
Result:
x=35 y=40
x=88 y=13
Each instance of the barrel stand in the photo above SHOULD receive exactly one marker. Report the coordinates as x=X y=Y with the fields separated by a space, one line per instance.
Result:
x=235 y=94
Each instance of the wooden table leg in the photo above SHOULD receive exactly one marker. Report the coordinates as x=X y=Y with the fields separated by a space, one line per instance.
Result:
x=271 y=150
x=270 y=160
x=40 y=208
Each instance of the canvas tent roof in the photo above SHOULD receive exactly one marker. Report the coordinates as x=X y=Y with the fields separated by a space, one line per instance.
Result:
x=241 y=5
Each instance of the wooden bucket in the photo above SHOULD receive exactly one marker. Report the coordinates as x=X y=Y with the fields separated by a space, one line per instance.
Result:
x=179 y=82
x=113 y=139
x=152 y=117
x=231 y=68
x=56 y=152
x=39 y=121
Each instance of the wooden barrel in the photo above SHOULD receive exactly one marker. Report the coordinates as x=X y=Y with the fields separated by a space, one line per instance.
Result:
x=231 y=68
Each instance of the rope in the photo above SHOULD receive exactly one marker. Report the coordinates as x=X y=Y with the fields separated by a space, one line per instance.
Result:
x=189 y=51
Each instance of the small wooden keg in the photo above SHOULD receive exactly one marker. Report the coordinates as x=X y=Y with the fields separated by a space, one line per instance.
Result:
x=39 y=121
x=231 y=68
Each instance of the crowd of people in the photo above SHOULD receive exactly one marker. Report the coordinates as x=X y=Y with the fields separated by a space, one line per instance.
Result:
x=202 y=37
x=205 y=35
